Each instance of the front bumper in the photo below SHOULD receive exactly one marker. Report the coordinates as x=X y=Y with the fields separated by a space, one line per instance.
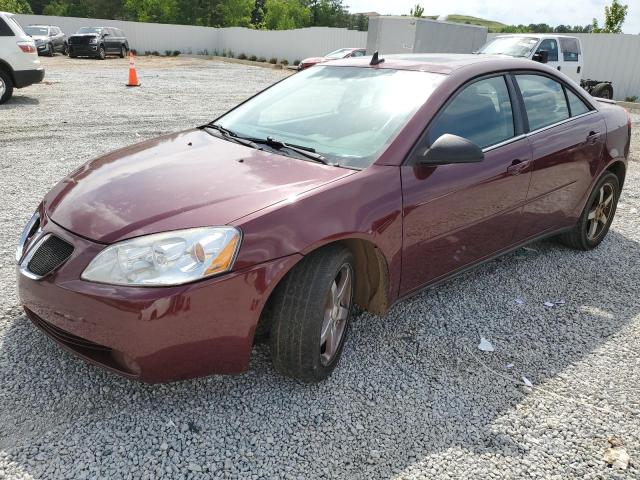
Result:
x=24 y=78
x=89 y=50
x=151 y=334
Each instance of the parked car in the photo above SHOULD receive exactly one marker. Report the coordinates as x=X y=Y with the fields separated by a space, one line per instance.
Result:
x=562 y=52
x=353 y=182
x=49 y=39
x=19 y=62
x=338 y=54
x=98 y=42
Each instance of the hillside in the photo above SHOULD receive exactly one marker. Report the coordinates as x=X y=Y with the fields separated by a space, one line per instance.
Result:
x=490 y=24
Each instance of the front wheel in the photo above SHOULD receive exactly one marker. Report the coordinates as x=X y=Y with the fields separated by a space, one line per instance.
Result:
x=49 y=50
x=65 y=49
x=597 y=216
x=311 y=312
x=102 y=54
x=123 y=51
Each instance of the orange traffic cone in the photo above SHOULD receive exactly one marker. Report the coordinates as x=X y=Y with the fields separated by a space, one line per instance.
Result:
x=133 y=76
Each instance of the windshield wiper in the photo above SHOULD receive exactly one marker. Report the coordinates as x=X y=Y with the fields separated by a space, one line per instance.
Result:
x=232 y=136
x=304 y=151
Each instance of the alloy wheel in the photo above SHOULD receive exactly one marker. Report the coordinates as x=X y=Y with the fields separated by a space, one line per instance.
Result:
x=336 y=314
x=600 y=211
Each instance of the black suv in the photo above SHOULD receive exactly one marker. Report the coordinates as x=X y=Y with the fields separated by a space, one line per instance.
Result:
x=98 y=42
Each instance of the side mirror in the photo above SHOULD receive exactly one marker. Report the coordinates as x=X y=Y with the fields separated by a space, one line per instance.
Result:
x=451 y=149
x=541 y=56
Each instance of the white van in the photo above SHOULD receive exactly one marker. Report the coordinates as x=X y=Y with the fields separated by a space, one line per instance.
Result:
x=19 y=63
x=562 y=52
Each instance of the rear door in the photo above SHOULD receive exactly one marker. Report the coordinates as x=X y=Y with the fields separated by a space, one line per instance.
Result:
x=567 y=140
x=458 y=214
x=111 y=41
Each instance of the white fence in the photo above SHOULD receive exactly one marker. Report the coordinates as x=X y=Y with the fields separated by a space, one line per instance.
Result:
x=286 y=44
x=606 y=56
x=613 y=57
x=142 y=36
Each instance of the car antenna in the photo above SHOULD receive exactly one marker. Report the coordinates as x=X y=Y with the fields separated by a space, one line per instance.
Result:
x=375 y=60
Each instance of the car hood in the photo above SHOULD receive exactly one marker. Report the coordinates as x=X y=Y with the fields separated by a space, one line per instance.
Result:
x=183 y=180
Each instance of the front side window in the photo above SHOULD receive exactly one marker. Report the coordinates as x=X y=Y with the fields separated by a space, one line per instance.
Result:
x=346 y=114
x=480 y=113
x=544 y=100
x=551 y=46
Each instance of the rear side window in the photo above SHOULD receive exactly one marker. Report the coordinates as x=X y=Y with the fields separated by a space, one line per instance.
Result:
x=5 y=30
x=576 y=105
x=551 y=46
x=544 y=100
x=480 y=113
x=570 y=49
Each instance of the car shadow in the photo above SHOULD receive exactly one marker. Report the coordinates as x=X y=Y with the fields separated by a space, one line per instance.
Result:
x=18 y=100
x=411 y=384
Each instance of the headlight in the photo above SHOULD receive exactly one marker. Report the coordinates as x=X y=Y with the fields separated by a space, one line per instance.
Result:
x=93 y=40
x=170 y=258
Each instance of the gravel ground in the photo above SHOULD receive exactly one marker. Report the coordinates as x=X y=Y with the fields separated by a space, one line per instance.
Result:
x=414 y=397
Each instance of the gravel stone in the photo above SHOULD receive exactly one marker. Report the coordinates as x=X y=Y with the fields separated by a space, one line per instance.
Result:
x=413 y=397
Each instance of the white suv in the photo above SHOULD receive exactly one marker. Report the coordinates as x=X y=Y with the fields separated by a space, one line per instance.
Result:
x=19 y=63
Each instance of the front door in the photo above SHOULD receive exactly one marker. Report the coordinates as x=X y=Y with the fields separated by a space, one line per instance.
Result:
x=458 y=214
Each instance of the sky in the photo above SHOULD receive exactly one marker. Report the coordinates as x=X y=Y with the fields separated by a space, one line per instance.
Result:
x=551 y=12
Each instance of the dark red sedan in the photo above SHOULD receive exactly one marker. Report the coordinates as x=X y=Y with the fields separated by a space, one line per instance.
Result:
x=355 y=182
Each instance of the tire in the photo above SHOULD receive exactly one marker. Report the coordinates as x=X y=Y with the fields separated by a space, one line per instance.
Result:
x=584 y=236
x=603 y=90
x=49 y=50
x=6 y=87
x=123 y=51
x=102 y=54
x=303 y=306
x=65 y=49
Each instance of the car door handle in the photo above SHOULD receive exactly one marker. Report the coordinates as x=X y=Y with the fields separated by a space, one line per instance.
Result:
x=593 y=137
x=517 y=167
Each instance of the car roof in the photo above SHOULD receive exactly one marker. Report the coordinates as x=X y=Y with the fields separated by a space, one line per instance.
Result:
x=444 y=63
x=536 y=35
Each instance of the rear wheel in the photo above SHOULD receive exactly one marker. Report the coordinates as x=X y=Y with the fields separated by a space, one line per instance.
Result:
x=6 y=86
x=597 y=216
x=311 y=311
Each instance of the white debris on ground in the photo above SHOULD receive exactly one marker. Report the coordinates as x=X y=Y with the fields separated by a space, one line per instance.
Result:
x=616 y=455
x=409 y=400
x=485 y=345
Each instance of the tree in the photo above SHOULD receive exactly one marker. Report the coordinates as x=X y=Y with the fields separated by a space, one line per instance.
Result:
x=286 y=14
x=417 y=11
x=15 y=6
x=614 y=17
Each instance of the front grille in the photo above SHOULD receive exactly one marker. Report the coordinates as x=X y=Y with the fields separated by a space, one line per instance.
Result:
x=79 y=40
x=52 y=253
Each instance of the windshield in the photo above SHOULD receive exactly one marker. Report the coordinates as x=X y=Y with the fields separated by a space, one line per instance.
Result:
x=37 y=31
x=512 y=46
x=90 y=30
x=346 y=114
x=338 y=53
